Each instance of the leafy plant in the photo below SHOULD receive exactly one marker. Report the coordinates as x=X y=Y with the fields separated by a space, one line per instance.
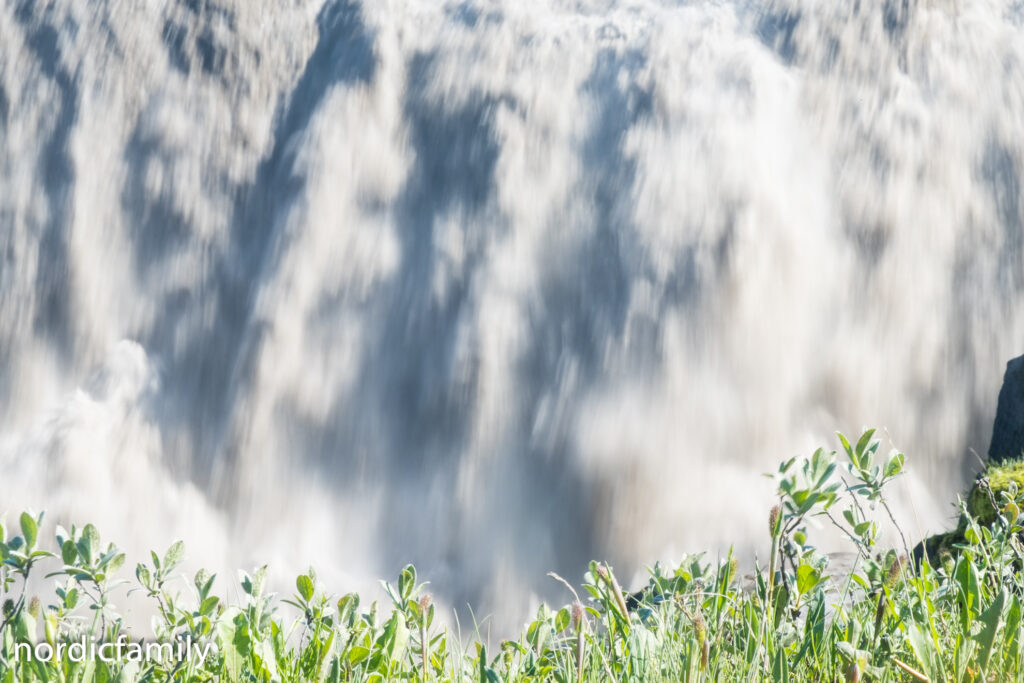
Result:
x=798 y=618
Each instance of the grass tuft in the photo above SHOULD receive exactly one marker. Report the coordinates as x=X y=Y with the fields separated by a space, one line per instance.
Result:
x=954 y=614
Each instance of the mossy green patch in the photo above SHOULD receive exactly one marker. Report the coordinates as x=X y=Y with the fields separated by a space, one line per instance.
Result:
x=982 y=499
x=988 y=490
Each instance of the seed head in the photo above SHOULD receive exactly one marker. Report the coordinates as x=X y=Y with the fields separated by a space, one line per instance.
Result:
x=700 y=627
x=577 y=615
x=425 y=601
x=892 y=575
x=853 y=673
x=774 y=517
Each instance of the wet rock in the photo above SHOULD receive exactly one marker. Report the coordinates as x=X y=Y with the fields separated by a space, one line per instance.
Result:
x=1004 y=475
x=1008 y=429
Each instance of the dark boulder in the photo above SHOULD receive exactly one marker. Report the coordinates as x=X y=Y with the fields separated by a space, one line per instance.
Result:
x=1008 y=429
x=1003 y=475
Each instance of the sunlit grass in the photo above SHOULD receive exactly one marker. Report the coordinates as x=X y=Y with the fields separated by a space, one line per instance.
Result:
x=887 y=619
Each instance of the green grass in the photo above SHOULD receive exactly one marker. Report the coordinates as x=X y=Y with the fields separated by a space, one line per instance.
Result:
x=888 y=619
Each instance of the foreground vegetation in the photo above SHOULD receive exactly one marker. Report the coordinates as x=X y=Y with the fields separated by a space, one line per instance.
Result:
x=954 y=615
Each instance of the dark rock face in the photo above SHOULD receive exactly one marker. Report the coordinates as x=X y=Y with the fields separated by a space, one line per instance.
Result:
x=1000 y=477
x=937 y=547
x=1008 y=430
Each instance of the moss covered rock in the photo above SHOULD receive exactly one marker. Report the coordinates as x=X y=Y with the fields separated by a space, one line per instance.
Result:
x=982 y=499
x=988 y=490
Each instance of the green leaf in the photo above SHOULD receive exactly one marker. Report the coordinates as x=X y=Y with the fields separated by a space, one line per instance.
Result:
x=807 y=577
x=562 y=619
x=780 y=667
x=895 y=465
x=89 y=544
x=29 y=529
x=69 y=552
x=400 y=638
x=347 y=606
x=1012 y=631
x=116 y=562
x=863 y=442
x=263 y=652
x=924 y=649
x=392 y=643
x=1011 y=512
x=232 y=638
x=258 y=579
x=174 y=555
x=305 y=586
x=846 y=444
x=966 y=575
x=481 y=658
x=334 y=673
x=143 y=575
x=203 y=582
x=406 y=582
x=825 y=475
x=539 y=634
x=989 y=625
x=25 y=626
x=207 y=606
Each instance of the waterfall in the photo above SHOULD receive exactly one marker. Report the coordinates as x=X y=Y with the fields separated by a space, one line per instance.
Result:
x=496 y=286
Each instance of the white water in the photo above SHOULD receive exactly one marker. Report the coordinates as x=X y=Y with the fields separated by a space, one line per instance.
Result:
x=495 y=287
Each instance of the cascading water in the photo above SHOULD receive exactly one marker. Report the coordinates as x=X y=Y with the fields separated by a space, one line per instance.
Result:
x=495 y=287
